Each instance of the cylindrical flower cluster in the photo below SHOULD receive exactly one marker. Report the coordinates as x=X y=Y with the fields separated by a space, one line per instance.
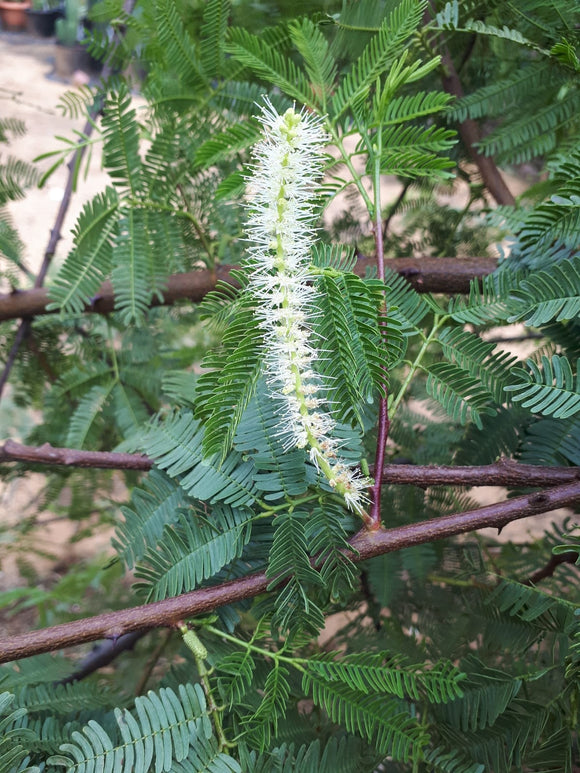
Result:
x=287 y=162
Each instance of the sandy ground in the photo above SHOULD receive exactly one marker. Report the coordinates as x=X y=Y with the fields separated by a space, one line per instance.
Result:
x=30 y=91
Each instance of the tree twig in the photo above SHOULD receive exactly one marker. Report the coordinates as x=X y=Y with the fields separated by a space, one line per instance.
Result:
x=103 y=654
x=366 y=544
x=502 y=473
x=384 y=424
x=11 y=451
x=549 y=569
x=469 y=130
x=470 y=133
x=426 y=275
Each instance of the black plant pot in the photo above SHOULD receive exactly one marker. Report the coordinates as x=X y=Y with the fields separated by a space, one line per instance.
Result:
x=43 y=22
x=69 y=59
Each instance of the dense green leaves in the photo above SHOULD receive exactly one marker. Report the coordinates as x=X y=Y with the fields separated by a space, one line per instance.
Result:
x=90 y=260
x=552 y=390
x=192 y=550
x=176 y=446
x=551 y=294
x=429 y=661
x=165 y=727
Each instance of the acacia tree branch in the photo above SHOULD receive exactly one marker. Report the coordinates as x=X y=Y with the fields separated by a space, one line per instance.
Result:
x=470 y=133
x=11 y=451
x=433 y=275
x=469 y=130
x=374 y=520
x=366 y=544
x=548 y=570
x=505 y=472
x=502 y=473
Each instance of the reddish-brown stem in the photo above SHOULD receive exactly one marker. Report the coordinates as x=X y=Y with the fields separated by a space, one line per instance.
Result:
x=425 y=275
x=374 y=520
x=469 y=130
x=549 y=569
x=503 y=473
x=366 y=544
x=471 y=134
x=11 y=451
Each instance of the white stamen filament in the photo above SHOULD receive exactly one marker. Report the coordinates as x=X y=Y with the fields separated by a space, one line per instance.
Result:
x=287 y=162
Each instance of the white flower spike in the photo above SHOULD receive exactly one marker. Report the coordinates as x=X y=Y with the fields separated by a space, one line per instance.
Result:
x=287 y=163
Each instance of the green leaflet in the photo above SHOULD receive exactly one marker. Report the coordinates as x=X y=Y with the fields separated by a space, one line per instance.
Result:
x=475 y=356
x=121 y=141
x=318 y=60
x=164 y=727
x=176 y=445
x=551 y=391
x=556 y=220
x=191 y=550
x=412 y=151
x=268 y=63
x=87 y=412
x=232 y=140
x=486 y=694
x=130 y=275
x=213 y=35
x=89 y=262
x=262 y=726
x=551 y=294
x=377 y=57
x=289 y=561
x=327 y=542
x=353 y=358
x=536 y=133
x=278 y=472
x=531 y=604
x=462 y=396
x=64 y=699
x=224 y=392
x=488 y=299
x=178 y=46
x=552 y=442
x=13 y=753
x=381 y=674
x=152 y=507
x=376 y=718
x=344 y=754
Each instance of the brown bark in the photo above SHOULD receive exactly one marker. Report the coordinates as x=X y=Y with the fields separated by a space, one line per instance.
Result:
x=503 y=473
x=434 y=275
x=12 y=451
x=365 y=544
x=548 y=570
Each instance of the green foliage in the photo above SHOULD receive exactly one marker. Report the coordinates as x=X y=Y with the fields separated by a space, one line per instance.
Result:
x=167 y=727
x=456 y=656
x=192 y=550
x=555 y=294
x=551 y=392
x=13 y=755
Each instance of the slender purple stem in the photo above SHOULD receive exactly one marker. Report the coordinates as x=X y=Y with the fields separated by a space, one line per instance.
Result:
x=374 y=521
